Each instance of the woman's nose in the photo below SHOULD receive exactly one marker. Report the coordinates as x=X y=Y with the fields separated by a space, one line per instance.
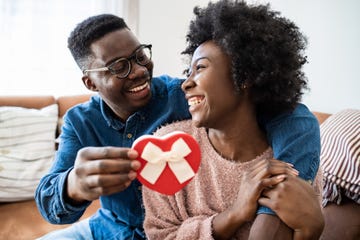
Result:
x=187 y=84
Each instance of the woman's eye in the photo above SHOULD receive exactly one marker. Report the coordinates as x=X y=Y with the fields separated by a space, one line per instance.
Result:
x=200 y=66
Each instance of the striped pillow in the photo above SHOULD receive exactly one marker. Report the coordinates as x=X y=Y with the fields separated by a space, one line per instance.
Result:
x=27 y=148
x=340 y=156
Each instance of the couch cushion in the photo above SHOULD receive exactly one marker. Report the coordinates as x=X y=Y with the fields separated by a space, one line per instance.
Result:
x=340 y=156
x=26 y=149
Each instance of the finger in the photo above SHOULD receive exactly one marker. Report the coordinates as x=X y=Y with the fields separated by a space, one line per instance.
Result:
x=109 y=180
x=99 y=191
x=94 y=153
x=273 y=181
x=107 y=166
x=271 y=167
x=267 y=202
x=275 y=168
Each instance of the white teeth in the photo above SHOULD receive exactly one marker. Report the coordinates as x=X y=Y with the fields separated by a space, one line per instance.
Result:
x=139 y=88
x=194 y=101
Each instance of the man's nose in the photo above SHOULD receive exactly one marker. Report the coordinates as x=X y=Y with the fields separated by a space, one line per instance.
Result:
x=137 y=71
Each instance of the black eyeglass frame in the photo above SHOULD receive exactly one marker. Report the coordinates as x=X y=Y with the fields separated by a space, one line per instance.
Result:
x=128 y=59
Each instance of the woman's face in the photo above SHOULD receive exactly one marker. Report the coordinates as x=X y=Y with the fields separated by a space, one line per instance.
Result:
x=209 y=88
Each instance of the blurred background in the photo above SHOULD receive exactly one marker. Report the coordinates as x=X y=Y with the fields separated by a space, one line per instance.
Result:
x=35 y=59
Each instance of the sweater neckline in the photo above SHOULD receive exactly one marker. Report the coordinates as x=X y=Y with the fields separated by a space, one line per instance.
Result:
x=208 y=147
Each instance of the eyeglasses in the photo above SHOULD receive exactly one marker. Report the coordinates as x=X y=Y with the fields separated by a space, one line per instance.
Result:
x=122 y=66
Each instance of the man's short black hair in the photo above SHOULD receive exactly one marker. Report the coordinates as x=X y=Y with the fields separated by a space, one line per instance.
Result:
x=90 y=30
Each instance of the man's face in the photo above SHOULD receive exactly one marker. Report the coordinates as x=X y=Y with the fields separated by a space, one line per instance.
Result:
x=123 y=95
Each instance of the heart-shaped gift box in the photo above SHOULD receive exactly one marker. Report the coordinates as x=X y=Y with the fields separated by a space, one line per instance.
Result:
x=169 y=162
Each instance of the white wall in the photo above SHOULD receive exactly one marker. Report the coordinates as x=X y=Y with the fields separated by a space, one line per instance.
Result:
x=332 y=28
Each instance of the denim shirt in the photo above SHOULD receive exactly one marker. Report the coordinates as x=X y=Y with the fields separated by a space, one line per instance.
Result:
x=93 y=124
x=294 y=138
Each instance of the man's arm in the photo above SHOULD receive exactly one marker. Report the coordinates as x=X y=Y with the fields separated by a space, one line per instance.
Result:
x=295 y=138
x=80 y=175
x=297 y=204
x=269 y=227
x=49 y=193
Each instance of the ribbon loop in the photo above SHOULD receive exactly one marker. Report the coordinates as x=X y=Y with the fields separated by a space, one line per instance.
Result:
x=157 y=160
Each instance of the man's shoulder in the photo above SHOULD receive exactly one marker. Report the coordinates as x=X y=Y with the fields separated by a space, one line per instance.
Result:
x=166 y=80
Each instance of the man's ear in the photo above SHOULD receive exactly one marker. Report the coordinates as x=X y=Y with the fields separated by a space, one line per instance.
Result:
x=89 y=84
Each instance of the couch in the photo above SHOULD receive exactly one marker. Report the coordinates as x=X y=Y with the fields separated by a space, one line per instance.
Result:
x=21 y=219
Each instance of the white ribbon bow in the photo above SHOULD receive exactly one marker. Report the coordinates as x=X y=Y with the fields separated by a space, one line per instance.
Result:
x=157 y=160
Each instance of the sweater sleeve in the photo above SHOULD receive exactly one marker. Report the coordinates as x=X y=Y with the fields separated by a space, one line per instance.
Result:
x=165 y=220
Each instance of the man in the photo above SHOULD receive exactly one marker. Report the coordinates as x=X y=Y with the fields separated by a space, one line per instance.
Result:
x=94 y=160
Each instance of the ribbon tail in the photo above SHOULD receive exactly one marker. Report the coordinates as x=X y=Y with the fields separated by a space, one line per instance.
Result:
x=182 y=170
x=151 y=172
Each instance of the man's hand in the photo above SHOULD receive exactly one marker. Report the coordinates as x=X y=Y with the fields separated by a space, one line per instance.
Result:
x=101 y=171
x=296 y=203
x=255 y=179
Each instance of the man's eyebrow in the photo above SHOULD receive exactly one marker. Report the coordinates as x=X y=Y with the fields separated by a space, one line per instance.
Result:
x=117 y=58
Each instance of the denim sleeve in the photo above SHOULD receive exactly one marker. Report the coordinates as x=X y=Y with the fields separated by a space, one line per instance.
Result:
x=49 y=193
x=295 y=138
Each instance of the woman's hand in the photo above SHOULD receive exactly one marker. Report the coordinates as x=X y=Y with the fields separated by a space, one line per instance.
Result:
x=296 y=203
x=262 y=175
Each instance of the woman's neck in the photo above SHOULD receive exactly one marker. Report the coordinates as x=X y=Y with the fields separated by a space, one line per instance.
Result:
x=241 y=140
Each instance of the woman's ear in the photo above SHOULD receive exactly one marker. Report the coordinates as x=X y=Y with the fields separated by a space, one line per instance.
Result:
x=89 y=84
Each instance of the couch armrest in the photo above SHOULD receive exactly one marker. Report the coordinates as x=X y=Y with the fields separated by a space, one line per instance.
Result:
x=27 y=101
x=66 y=102
x=321 y=116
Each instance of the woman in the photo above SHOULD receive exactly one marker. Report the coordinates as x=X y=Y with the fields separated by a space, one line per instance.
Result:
x=238 y=72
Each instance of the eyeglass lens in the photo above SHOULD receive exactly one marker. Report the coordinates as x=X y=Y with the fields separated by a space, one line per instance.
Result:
x=122 y=67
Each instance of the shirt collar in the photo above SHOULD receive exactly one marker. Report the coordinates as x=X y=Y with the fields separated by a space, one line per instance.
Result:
x=115 y=122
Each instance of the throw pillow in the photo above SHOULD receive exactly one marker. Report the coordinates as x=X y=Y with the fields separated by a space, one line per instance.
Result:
x=340 y=156
x=27 y=148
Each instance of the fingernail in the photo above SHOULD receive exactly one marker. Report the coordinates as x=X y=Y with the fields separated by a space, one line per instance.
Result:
x=280 y=177
x=135 y=164
x=133 y=153
x=132 y=175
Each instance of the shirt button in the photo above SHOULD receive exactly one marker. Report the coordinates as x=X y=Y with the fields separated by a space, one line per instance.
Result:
x=129 y=135
x=139 y=188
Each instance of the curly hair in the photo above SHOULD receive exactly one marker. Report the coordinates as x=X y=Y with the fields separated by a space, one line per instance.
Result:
x=87 y=32
x=266 y=51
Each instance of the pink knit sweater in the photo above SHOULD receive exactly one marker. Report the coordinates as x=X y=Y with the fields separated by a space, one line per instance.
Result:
x=188 y=214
